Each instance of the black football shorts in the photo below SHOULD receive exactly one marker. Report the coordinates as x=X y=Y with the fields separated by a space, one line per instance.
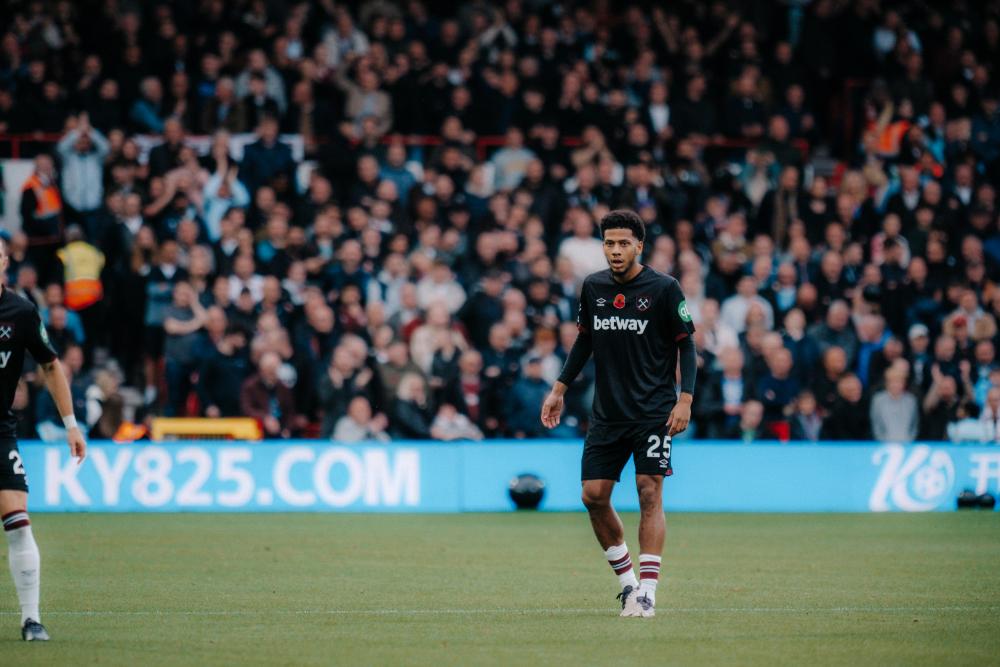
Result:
x=12 y=476
x=608 y=446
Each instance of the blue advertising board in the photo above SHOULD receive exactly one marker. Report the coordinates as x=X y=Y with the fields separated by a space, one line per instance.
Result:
x=430 y=477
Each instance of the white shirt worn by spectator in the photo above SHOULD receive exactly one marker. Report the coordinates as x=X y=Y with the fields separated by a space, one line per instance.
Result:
x=734 y=312
x=894 y=419
x=719 y=337
x=215 y=206
x=509 y=165
x=424 y=343
x=83 y=173
x=457 y=427
x=348 y=430
x=586 y=256
x=255 y=284
x=989 y=423
x=449 y=292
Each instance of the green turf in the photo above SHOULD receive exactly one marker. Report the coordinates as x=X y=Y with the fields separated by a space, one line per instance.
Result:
x=509 y=589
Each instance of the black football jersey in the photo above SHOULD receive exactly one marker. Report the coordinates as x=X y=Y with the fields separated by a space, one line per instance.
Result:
x=21 y=329
x=634 y=329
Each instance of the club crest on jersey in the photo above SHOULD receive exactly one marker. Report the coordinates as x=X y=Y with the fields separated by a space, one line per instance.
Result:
x=619 y=301
x=6 y=331
x=642 y=303
x=601 y=301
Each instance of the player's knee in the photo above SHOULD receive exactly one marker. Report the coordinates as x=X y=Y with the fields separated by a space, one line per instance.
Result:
x=650 y=495
x=595 y=499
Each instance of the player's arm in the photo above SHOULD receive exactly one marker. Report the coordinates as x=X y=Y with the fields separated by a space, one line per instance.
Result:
x=38 y=344
x=681 y=328
x=57 y=384
x=687 y=359
x=578 y=355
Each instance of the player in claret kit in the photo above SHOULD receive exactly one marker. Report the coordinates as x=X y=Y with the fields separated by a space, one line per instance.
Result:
x=21 y=329
x=636 y=323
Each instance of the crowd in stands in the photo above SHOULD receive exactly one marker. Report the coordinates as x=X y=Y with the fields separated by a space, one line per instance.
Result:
x=820 y=176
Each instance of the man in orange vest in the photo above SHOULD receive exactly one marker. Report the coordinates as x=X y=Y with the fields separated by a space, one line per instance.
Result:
x=83 y=291
x=41 y=217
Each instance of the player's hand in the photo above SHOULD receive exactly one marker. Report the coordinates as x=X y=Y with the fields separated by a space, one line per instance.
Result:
x=679 y=418
x=77 y=444
x=552 y=410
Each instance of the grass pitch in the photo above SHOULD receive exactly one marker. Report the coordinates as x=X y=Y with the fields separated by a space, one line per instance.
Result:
x=325 y=589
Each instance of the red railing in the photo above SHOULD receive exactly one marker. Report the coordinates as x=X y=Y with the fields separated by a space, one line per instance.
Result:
x=483 y=145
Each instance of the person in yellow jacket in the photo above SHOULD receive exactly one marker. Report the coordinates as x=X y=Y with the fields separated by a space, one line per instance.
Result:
x=82 y=287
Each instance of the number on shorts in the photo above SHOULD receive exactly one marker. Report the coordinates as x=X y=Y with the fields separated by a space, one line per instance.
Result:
x=18 y=466
x=651 y=452
x=655 y=439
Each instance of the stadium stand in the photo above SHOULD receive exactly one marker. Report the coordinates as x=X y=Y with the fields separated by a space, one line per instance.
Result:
x=371 y=220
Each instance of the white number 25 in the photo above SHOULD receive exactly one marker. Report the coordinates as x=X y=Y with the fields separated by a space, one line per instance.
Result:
x=18 y=466
x=655 y=439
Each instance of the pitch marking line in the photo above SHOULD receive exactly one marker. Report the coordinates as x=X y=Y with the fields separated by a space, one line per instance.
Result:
x=514 y=611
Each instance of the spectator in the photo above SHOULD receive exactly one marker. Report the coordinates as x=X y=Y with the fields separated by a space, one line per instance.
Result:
x=147 y=114
x=736 y=308
x=894 y=412
x=264 y=397
x=364 y=100
x=225 y=111
x=941 y=407
x=222 y=372
x=182 y=322
x=510 y=163
x=989 y=417
x=359 y=425
x=722 y=395
x=449 y=424
x=806 y=422
x=343 y=381
x=528 y=391
x=82 y=265
x=749 y=429
x=849 y=417
x=258 y=65
x=837 y=331
x=776 y=391
x=268 y=161
x=411 y=418
x=42 y=217
x=583 y=250
x=223 y=191
x=440 y=286
x=82 y=152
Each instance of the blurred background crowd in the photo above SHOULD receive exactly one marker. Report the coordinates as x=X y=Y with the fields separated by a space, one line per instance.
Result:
x=396 y=249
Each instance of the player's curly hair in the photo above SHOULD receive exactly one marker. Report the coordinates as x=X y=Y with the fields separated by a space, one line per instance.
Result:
x=623 y=218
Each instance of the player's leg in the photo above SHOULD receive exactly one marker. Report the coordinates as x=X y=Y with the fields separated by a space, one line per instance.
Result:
x=651 y=448
x=23 y=558
x=603 y=460
x=608 y=527
x=610 y=533
x=652 y=532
